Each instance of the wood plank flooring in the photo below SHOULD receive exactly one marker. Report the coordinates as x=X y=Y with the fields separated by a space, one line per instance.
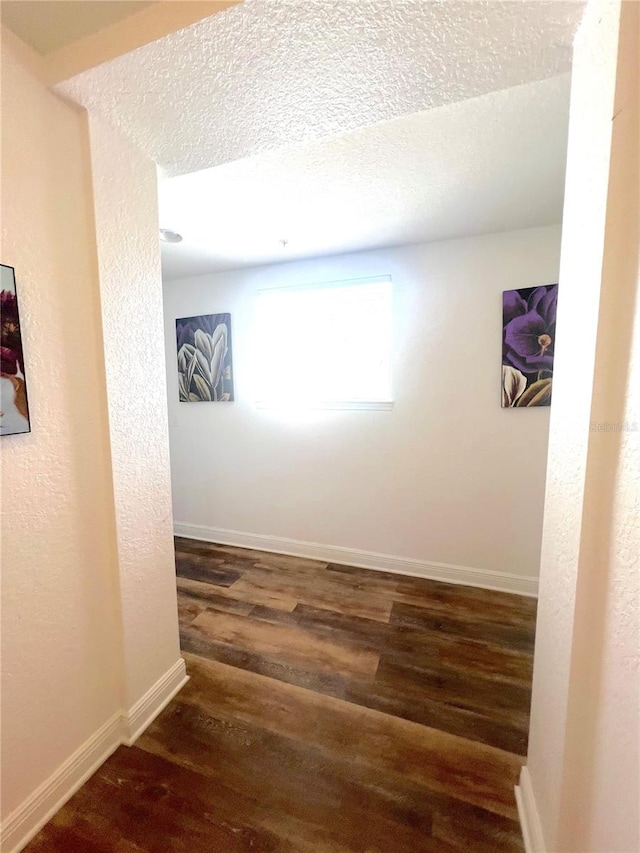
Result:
x=330 y=709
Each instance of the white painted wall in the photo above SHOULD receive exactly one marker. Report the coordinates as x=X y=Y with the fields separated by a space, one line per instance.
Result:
x=447 y=476
x=613 y=770
x=592 y=94
x=61 y=636
x=582 y=781
x=89 y=619
x=126 y=223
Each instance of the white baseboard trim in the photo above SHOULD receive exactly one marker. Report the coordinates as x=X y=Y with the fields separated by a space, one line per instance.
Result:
x=123 y=728
x=29 y=818
x=155 y=700
x=528 y=814
x=519 y=584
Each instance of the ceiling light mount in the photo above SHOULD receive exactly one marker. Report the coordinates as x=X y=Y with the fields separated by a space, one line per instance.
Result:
x=168 y=236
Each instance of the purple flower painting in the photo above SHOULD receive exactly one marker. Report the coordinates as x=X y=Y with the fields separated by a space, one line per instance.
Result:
x=204 y=358
x=14 y=409
x=528 y=343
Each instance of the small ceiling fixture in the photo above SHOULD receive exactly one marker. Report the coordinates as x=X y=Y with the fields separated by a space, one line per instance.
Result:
x=168 y=236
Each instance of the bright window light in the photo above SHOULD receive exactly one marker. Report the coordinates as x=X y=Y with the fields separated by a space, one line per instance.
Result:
x=326 y=345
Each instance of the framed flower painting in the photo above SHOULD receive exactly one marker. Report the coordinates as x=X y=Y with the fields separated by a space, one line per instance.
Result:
x=205 y=371
x=14 y=408
x=528 y=343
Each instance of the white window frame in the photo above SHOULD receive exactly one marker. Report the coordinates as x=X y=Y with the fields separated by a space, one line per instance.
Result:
x=356 y=405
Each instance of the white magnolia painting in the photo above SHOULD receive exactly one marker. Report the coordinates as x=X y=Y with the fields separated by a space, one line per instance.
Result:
x=205 y=372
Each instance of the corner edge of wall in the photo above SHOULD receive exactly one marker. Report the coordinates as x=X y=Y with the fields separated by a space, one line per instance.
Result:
x=528 y=815
x=122 y=728
x=29 y=817
x=155 y=700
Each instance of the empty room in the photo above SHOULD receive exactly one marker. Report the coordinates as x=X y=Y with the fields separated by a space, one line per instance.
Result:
x=319 y=426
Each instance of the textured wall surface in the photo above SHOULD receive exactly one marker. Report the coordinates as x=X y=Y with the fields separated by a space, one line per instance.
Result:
x=580 y=280
x=616 y=754
x=583 y=748
x=272 y=73
x=61 y=639
x=403 y=483
x=126 y=218
x=602 y=776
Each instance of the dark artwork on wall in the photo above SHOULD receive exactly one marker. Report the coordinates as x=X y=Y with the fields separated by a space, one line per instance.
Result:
x=205 y=370
x=14 y=408
x=528 y=343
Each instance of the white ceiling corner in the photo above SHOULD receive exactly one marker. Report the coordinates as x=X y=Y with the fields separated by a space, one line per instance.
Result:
x=272 y=73
x=346 y=124
x=483 y=165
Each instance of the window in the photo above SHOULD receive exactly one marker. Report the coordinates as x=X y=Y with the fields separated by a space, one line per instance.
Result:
x=325 y=345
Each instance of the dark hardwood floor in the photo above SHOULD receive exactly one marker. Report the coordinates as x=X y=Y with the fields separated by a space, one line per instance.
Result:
x=330 y=709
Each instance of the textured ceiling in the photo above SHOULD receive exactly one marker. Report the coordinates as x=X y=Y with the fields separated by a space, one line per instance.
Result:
x=48 y=26
x=487 y=164
x=274 y=73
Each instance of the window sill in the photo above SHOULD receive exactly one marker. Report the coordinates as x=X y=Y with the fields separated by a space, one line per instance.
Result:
x=379 y=406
